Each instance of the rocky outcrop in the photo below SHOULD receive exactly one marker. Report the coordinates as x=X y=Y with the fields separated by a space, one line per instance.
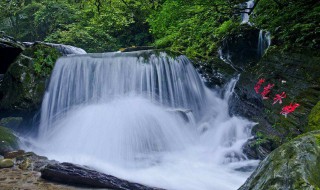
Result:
x=72 y=174
x=63 y=49
x=9 y=50
x=24 y=74
x=293 y=73
x=294 y=165
x=240 y=48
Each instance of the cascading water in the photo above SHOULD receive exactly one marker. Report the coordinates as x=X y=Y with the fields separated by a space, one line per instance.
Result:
x=143 y=117
x=264 y=42
x=245 y=16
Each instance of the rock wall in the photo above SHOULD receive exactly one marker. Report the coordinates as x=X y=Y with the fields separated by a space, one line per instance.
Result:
x=293 y=73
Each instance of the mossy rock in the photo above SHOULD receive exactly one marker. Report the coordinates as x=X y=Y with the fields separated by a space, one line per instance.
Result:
x=314 y=118
x=23 y=85
x=11 y=122
x=8 y=141
x=294 y=165
x=6 y=163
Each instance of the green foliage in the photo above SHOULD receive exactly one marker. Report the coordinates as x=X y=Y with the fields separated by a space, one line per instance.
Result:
x=293 y=23
x=314 y=118
x=44 y=60
x=94 y=25
x=192 y=27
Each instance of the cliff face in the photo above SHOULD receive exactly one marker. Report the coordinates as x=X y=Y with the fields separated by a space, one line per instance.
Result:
x=296 y=74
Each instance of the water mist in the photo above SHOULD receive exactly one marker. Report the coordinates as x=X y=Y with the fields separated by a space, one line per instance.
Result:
x=144 y=117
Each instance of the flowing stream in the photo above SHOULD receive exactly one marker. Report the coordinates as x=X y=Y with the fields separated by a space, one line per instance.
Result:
x=264 y=42
x=145 y=117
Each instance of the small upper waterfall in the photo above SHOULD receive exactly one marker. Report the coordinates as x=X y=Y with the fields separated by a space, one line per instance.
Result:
x=264 y=42
x=245 y=16
x=145 y=117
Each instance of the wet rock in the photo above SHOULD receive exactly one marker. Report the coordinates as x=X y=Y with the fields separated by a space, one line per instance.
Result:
x=258 y=148
x=6 y=163
x=14 y=154
x=301 y=86
x=25 y=164
x=294 y=165
x=240 y=47
x=33 y=162
x=63 y=49
x=68 y=173
x=11 y=122
x=9 y=50
x=136 y=48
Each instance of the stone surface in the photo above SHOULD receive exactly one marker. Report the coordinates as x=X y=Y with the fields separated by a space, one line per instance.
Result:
x=294 y=165
x=68 y=173
x=9 y=50
x=14 y=154
x=6 y=163
x=239 y=49
x=25 y=174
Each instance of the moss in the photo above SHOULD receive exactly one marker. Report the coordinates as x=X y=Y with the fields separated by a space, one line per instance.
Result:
x=23 y=85
x=294 y=165
x=317 y=139
x=314 y=118
x=7 y=136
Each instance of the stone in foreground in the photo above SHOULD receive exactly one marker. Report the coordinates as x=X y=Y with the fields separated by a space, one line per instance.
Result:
x=294 y=165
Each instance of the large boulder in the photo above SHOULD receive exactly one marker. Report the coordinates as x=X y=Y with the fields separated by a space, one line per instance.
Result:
x=240 y=48
x=294 y=165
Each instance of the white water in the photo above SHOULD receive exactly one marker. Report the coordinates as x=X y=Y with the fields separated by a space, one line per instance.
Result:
x=125 y=114
x=245 y=16
x=264 y=42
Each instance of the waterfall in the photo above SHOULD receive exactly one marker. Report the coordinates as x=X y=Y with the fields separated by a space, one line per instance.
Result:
x=145 y=117
x=226 y=57
x=264 y=42
x=245 y=16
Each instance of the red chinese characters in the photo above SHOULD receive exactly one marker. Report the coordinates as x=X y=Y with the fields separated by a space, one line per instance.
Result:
x=289 y=109
x=258 y=85
x=279 y=97
x=266 y=91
